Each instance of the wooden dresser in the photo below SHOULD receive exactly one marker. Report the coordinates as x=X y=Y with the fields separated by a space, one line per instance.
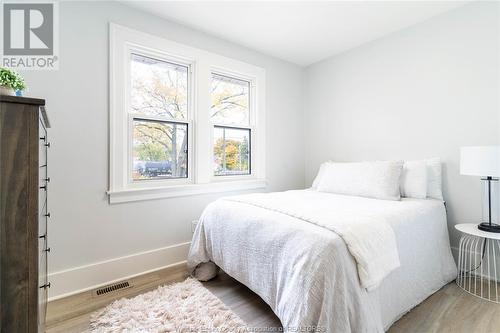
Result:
x=23 y=214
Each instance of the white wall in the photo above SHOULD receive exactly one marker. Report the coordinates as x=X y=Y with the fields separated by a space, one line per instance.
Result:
x=85 y=229
x=421 y=92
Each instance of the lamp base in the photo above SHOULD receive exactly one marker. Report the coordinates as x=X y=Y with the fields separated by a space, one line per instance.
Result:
x=485 y=226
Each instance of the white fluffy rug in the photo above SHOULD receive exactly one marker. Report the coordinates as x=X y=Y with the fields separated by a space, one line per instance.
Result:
x=181 y=307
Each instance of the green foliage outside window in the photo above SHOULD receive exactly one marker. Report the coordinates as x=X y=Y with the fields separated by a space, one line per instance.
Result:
x=237 y=155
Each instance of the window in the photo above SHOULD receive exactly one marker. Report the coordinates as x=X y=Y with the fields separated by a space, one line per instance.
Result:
x=160 y=150
x=183 y=121
x=230 y=100
x=159 y=88
x=231 y=151
x=230 y=114
x=158 y=105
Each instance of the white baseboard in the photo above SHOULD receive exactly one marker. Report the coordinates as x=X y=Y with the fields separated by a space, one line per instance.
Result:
x=79 y=279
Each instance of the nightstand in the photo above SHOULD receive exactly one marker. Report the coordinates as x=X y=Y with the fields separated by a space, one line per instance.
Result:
x=478 y=265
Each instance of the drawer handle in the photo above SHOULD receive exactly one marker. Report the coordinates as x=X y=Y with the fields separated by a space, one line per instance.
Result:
x=47 y=145
x=42 y=138
x=47 y=249
x=47 y=179
x=45 y=286
x=42 y=236
x=44 y=187
x=47 y=215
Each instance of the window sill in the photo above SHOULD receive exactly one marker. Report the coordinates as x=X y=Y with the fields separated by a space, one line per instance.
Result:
x=183 y=190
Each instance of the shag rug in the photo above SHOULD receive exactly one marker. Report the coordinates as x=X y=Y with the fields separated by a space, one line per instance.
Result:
x=181 y=307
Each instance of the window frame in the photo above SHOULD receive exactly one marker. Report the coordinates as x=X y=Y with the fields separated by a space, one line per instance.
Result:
x=165 y=57
x=201 y=64
x=252 y=117
x=166 y=180
x=235 y=176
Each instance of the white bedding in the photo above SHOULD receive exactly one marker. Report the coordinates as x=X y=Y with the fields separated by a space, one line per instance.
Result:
x=305 y=271
x=364 y=228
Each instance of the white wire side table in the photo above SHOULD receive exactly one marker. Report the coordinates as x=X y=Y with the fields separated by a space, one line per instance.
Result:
x=478 y=269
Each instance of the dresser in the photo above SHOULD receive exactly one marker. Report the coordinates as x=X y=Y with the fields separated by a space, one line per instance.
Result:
x=24 y=214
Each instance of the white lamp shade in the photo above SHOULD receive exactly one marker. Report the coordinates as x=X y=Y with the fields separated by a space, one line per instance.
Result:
x=480 y=161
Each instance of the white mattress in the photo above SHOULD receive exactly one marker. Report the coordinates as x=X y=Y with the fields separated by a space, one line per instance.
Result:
x=305 y=272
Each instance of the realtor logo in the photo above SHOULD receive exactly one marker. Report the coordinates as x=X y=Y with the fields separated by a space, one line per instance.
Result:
x=28 y=29
x=29 y=35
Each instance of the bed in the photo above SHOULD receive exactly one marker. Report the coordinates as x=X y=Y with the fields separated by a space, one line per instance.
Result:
x=308 y=274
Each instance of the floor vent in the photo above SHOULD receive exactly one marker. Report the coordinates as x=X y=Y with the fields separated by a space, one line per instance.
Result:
x=113 y=287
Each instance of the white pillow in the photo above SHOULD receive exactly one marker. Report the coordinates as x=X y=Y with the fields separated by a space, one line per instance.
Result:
x=434 y=179
x=414 y=179
x=320 y=174
x=379 y=180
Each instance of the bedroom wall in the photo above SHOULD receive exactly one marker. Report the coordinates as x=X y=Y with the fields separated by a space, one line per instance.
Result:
x=93 y=242
x=421 y=92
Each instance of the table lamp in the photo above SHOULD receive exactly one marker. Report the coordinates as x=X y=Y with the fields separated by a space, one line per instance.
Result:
x=483 y=161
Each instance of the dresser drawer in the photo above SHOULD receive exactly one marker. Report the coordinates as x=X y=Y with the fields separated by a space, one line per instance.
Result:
x=42 y=212
x=42 y=155
x=42 y=260
x=43 y=287
x=43 y=145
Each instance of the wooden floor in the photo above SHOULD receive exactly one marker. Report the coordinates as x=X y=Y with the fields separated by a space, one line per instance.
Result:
x=448 y=310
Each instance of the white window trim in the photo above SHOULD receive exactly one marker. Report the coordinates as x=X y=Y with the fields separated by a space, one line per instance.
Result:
x=201 y=178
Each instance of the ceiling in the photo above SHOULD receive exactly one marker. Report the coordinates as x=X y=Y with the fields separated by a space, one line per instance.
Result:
x=301 y=32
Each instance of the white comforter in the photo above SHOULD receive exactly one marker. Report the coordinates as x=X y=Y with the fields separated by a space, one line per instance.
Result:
x=305 y=271
x=365 y=229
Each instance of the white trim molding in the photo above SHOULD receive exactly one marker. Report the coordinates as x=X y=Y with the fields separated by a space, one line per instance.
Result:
x=183 y=190
x=201 y=65
x=79 y=279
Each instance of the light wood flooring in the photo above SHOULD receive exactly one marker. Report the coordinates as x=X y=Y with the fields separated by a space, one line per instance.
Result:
x=448 y=310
